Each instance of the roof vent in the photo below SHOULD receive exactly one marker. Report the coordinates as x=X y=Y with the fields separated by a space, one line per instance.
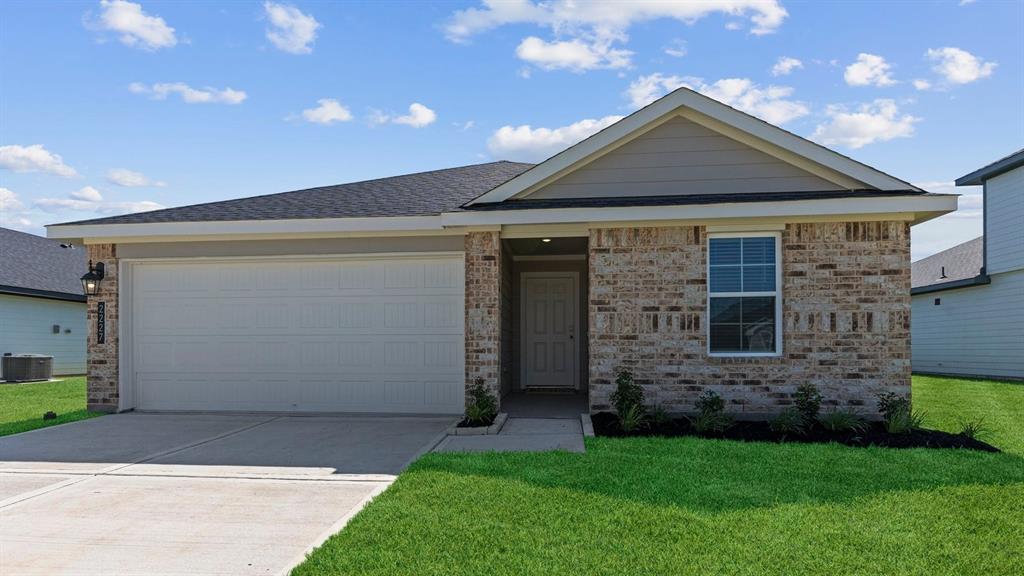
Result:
x=943 y=276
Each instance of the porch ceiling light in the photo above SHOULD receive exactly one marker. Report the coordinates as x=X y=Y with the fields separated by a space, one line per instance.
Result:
x=545 y=240
x=91 y=280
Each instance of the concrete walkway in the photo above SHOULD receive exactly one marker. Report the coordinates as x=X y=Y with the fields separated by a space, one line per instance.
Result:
x=193 y=494
x=523 y=435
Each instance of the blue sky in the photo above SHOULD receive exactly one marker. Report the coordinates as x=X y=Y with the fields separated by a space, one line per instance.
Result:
x=117 y=106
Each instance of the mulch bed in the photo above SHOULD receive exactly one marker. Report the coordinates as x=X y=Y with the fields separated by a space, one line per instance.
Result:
x=874 y=434
x=464 y=423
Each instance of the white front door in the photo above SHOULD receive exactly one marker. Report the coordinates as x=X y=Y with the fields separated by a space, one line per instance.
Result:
x=332 y=334
x=549 y=324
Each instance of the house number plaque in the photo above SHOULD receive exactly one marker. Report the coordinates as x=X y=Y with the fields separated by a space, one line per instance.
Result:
x=101 y=322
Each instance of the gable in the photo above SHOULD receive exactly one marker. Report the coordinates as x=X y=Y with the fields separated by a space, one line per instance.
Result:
x=843 y=172
x=678 y=158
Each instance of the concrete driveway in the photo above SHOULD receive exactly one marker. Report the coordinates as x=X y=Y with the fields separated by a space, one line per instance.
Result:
x=190 y=493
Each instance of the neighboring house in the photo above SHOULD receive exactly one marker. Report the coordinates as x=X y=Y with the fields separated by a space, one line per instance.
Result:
x=392 y=295
x=968 y=301
x=42 y=309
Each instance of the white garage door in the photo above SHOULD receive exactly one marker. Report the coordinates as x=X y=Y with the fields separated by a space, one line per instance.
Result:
x=337 y=335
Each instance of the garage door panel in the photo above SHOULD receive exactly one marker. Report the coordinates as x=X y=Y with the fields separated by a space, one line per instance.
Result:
x=341 y=336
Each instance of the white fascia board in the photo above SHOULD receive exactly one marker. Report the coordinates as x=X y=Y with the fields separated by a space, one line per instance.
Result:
x=686 y=98
x=925 y=206
x=312 y=226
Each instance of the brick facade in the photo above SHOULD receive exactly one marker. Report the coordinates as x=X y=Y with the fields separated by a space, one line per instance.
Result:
x=483 y=309
x=102 y=371
x=846 y=318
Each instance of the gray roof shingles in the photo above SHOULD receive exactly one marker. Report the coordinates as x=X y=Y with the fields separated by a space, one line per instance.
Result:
x=33 y=264
x=961 y=262
x=421 y=194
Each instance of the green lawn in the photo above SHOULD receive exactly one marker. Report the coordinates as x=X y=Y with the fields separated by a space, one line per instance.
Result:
x=691 y=506
x=22 y=405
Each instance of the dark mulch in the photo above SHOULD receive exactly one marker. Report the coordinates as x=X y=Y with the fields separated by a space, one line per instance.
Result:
x=874 y=434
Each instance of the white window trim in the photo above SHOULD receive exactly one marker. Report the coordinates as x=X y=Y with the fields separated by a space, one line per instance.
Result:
x=777 y=293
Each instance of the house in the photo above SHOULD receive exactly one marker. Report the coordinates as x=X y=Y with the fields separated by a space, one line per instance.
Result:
x=695 y=245
x=42 y=308
x=968 y=301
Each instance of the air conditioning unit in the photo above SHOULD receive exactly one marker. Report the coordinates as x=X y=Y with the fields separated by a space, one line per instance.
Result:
x=26 y=367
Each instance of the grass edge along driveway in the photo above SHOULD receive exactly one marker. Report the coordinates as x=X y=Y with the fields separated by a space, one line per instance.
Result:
x=22 y=405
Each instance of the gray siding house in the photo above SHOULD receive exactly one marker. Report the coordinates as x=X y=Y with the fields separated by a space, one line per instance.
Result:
x=42 y=308
x=968 y=301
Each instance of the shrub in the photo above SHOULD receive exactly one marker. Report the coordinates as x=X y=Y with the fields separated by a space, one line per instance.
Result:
x=711 y=417
x=891 y=403
x=710 y=402
x=627 y=393
x=975 y=429
x=789 y=421
x=632 y=419
x=807 y=401
x=482 y=406
x=841 y=421
x=899 y=418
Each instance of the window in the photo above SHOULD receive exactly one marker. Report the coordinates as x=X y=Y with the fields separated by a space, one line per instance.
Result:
x=744 y=300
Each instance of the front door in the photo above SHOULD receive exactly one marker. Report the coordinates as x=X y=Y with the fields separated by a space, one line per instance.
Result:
x=549 y=321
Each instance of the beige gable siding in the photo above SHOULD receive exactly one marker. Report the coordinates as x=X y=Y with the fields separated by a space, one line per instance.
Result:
x=682 y=157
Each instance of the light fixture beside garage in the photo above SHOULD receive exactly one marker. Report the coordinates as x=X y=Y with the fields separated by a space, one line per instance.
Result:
x=91 y=280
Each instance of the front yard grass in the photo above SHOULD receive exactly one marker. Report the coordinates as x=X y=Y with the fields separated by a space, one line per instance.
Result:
x=695 y=506
x=22 y=405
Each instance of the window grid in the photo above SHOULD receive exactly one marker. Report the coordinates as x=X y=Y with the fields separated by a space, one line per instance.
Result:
x=741 y=295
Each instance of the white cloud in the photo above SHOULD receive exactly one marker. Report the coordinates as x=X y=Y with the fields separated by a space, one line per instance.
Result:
x=290 y=30
x=785 y=64
x=676 y=48
x=329 y=111
x=647 y=89
x=131 y=179
x=188 y=94
x=418 y=117
x=877 y=121
x=34 y=158
x=87 y=193
x=770 y=103
x=531 y=144
x=587 y=31
x=89 y=199
x=463 y=126
x=575 y=55
x=869 y=70
x=9 y=201
x=921 y=84
x=136 y=28
x=959 y=66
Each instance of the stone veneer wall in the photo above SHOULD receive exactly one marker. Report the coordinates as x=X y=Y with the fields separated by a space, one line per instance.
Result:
x=102 y=371
x=846 y=318
x=483 y=309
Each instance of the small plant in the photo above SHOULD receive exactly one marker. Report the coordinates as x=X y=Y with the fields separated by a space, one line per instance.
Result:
x=903 y=421
x=659 y=417
x=627 y=393
x=789 y=421
x=482 y=406
x=842 y=421
x=974 y=429
x=632 y=419
x=711 y=422
x=711 y=418
x=807 y=401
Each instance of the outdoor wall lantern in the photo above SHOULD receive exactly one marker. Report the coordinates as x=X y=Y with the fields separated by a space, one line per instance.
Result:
x=91 y=280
